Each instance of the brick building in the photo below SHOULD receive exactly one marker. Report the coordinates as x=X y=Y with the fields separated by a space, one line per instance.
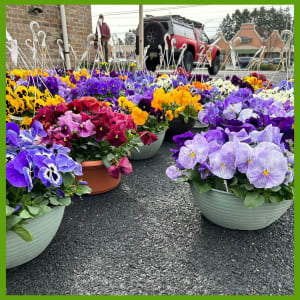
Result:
x=79 y=26
x=251 y=41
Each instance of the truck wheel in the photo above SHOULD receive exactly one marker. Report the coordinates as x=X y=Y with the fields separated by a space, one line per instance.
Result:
x=188 y=61
x=215 y=66
x=154 y=34
x=151 y=64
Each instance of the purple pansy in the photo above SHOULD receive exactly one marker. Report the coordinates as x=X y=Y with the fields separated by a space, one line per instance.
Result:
x=268 y=169
x=173 y=173
x=193 y=152
x=222 y=162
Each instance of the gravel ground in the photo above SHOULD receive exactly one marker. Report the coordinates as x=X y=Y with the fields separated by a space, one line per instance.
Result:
x=147 y=237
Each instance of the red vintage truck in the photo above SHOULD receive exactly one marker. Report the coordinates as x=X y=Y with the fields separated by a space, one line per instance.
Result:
x=183 y=31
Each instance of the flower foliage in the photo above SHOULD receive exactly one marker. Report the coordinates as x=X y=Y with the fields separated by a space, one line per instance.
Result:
x=254 y=166
x=91 y=130
x=38 y=178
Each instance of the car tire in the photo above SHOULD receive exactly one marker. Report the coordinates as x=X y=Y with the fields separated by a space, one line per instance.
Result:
x=188 y=61
x=215 y=66
x=154 y=35
x=151 y=63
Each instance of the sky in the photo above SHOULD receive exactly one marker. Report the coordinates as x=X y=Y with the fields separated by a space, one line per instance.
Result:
x=121 y=18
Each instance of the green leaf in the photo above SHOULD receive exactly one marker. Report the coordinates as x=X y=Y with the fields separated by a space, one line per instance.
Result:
x=274 y=198
x=38 y=200
x=44 y=210
x=219 y=184
x=234 y=181
x=33 y=210
x=202 y=186
x=25 y=214
x=83 y=189
x=12 y=221
x=9 y=210
x=249 y=187
x=23 y=233
x=54 y=201
x=254 y=199
x=276 y=188
x=65 y=201
x=68 y=179
x=105 y=162
x=181 y=179
x=239 y=191
x=110 y=156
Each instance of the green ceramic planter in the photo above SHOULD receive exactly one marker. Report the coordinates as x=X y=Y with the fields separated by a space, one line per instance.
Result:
x=227 y=210
x=147 y=151
x=43 y=229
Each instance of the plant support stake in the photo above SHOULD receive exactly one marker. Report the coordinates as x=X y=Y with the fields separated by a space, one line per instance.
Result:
x=65 y=36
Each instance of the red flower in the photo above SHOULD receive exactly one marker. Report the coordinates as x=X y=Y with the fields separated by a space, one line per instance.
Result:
x=90 y=103
x=114 y=172
x=101 y=130
x=76 y=106
x=46 y=116
x=117 y=135
x=125 y=166
x=84 y=116
x=60 y=109
x=147 y=137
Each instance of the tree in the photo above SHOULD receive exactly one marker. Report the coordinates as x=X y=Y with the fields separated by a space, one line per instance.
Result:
x=265 y=20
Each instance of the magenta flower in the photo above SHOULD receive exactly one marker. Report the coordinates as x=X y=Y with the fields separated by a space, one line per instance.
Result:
x=86 y=129
x=125 y=166
x=114 y=171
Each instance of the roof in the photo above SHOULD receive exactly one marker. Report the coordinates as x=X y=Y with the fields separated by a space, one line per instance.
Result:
x=178 y=18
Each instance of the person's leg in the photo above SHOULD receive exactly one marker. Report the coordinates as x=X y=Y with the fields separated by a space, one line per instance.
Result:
x=106 y=51
x=103 y=48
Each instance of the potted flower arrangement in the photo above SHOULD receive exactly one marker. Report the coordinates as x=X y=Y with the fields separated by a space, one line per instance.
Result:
x=99 y=138
x=242 y=110
x=151 y=124
x=239 y=180
x=180 y=106
x=39 y=184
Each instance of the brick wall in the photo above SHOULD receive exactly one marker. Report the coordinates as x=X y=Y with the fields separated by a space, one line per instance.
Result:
x=79 y=25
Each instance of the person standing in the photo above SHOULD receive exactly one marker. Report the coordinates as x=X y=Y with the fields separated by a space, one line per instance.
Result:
x=104 y=30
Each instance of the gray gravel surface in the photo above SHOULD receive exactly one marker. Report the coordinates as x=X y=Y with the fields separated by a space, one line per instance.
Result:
x=146 y=237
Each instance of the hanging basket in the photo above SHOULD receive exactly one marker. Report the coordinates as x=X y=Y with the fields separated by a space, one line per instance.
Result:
x=229 y=211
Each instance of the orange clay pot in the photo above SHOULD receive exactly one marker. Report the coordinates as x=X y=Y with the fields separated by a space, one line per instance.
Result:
x=97 y=177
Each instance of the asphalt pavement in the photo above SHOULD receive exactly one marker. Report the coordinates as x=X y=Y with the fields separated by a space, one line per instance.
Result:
x=147 y=237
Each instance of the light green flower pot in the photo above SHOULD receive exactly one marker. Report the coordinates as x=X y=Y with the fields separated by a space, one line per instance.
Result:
x=43 y=230
x=229 y=211
x=147 y=151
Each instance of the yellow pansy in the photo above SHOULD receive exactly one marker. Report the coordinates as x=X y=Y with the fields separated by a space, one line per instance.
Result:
x=26 y=122
x=139 y=116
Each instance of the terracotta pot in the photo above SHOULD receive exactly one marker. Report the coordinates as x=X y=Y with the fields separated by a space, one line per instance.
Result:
x=97 y=177
x=177 y=126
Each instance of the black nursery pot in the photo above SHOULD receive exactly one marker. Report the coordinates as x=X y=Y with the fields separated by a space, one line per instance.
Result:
x=177 y=126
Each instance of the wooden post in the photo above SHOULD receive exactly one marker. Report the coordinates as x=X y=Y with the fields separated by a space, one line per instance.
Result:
x=141 y=39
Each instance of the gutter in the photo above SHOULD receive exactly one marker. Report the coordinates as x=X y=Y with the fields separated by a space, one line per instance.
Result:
x=65 y=36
